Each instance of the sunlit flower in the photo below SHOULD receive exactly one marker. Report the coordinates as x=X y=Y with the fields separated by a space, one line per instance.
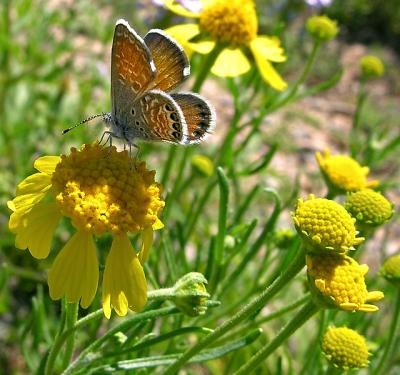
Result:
x=322 y=28
x=102 y=191
x=345 y=348
x=391 y=269
x=371 y=66
x=369 y=207
x=343 y=173
x=234 y=25
x=325 y=226
x=338 y=281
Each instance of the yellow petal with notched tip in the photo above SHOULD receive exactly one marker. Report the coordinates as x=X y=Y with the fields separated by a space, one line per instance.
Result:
x=75 y=271
x=35 y=229
x=124 y=282
x=268 y=48
x=47 y=164
x=231 y=63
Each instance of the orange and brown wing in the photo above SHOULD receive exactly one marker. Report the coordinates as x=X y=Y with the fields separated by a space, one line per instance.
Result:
x=132 y=67
x=199 y=115
x=169 y=58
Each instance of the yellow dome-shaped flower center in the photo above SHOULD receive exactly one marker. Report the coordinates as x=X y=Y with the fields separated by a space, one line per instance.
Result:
x=233 y=22
x=325 y=224
x=345 y=348
x=102 y=190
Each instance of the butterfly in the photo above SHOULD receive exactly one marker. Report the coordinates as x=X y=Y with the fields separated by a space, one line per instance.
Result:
x=143 y=73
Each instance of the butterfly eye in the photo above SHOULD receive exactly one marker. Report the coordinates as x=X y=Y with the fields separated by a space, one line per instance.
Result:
x=169 y=107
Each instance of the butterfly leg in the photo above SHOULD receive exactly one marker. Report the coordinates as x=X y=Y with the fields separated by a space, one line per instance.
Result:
x=109 y=139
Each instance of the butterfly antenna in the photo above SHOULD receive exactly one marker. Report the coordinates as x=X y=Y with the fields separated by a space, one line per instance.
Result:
x=84 y=121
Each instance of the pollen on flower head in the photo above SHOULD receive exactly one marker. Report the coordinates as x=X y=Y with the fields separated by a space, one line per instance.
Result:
x=338 y=281
x=233 y=22
x=344 y=173
x=369 y=207
x=345 y=348
x=325 y=225
x=102 y=190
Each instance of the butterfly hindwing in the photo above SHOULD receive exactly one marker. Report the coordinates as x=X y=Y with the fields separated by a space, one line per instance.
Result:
x=132 y=67
x=160 y=118
x=199 y=115
x=169 y=58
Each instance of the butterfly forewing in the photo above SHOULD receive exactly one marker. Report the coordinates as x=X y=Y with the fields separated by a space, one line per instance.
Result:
x=160 y=118
x=199 y=115
x=132 y=68
x=169 y=58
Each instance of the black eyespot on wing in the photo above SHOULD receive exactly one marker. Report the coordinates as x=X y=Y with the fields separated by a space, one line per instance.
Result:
x=133 y=111
x=176 y=126
x=203 y=125
x=198 y=133
x=176 y=135
x=169 y=107
x=137 y=123
x=174 y=116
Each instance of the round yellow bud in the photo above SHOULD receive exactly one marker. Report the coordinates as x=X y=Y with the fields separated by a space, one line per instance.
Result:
x=391 y=269
x=371 y=66
x=322 y=28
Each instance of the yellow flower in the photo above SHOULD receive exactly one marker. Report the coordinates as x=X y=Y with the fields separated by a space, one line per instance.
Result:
x=325 y=226
x=343 y=173
x=322 y=28
x=102 y=191
x=369 y=207
x=391 y=269
x=234 y=25
x=371 y=66
x=338 y=281
x=345 y=348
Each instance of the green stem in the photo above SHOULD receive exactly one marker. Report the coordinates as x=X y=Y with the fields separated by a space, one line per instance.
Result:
x=160 y=294
x=287 y=97
x=206 y=67
x=354 y=141
x=72 y=317
x=390 y=343
x=303 y=316
x=253 y=307
x=147 y=315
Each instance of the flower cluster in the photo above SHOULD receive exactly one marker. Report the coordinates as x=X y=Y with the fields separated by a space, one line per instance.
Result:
x=328 y=233
x=371 y=67
x=233 y=25
x=102 y=191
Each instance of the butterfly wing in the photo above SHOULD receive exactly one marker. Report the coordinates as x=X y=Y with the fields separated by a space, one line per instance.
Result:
x=199 y=115
x=169 y=58
x=132 y=68
x=159 y=118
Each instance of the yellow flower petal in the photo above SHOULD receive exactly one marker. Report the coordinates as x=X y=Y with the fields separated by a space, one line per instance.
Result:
x=268 y=72
x=182 y=34
x=47 y=164
x=35 y=229
x=158 y=224
x=269 y=48
x=147 y=241
x=24 y=203
x=180 y=10
x=36 y=183
x=124 y=282
x=203 y=47
x=231 y=63
x=75 y=271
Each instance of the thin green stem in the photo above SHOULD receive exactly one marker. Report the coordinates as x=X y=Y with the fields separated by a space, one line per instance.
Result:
x=303 y=316
x=254 y=306
x=72 y=317
x=160 y=294
x=206 y=67
x=354 y=141
x=388 y=350
x=147 y=315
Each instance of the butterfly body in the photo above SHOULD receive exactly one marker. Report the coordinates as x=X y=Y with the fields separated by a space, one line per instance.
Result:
x=143 y=72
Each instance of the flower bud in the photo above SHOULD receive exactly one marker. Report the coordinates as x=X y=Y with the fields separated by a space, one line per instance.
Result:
x=391 y=269
x=322 y=28
x=371 y=67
